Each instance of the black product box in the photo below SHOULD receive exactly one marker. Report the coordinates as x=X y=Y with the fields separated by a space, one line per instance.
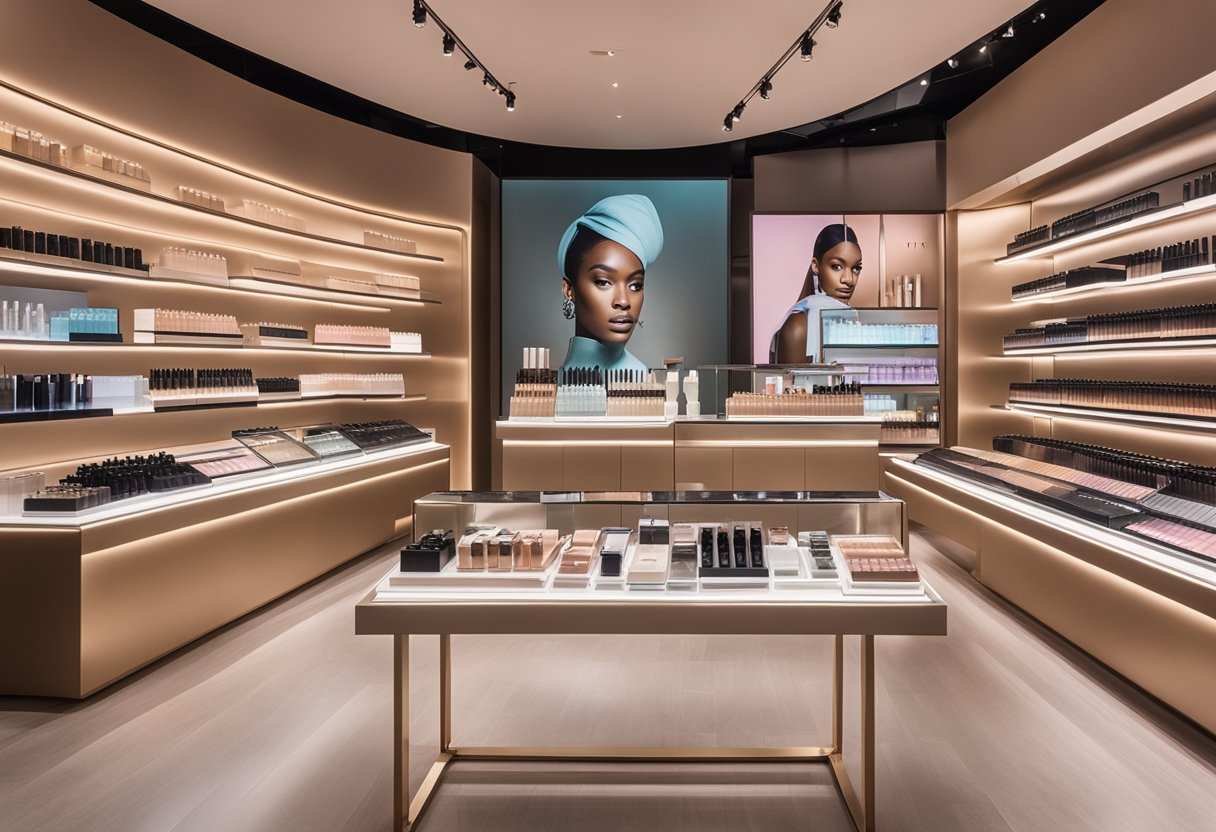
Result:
x=430 y=554
x=95 y=337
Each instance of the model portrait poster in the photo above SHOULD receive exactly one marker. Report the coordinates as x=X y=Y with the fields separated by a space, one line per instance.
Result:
x=615 y=274
x=804 y=263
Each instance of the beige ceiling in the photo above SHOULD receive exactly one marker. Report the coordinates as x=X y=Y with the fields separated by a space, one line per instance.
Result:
x=681 y=64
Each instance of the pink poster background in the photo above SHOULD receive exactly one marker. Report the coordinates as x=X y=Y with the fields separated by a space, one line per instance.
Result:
x=781 y=254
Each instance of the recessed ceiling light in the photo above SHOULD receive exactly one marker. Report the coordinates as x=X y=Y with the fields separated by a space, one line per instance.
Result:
x=611 y=52
x=618 y=115
x=615 y=84
x=924 y=82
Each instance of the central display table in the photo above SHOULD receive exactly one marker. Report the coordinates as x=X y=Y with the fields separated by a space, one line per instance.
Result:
x=402 y=611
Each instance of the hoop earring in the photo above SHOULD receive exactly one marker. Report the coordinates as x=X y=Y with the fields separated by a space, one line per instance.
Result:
x=568 y=308
x=641 y=323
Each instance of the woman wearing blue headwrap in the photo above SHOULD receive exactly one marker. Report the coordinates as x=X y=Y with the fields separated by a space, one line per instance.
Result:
x=603 y=257
x=830 y=281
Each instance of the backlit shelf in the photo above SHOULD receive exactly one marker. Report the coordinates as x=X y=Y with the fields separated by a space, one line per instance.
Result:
x=1151 y=218
x=1099 y=347
x=358 y=352
x=1156 y=420
x=15 y=158
x=268 y=286
x=16 y=417
x=48 y=269
x=910 y=387
x=1107 y=288
x=880 y=346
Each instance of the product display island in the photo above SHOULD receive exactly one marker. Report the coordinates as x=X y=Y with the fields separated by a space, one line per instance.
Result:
x=652 y=563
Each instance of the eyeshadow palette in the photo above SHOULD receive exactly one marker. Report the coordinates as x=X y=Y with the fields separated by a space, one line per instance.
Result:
x=326 y=441
x=225 y=462
x=876 y=558
x=277 y=448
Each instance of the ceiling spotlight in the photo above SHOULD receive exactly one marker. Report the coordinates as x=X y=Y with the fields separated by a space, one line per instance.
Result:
x=470 y=64
x=615 y=84
x=924 y=82
x=808 y=46
x=737 y=113
x=952 y=63
x=510 y=102
x=834 y=16
x=728 y=124
x=611 y=52
x=1008 y=33
x=489 y=83
x=766 y=87
x=618 y=115
x=449 y=44
x=983 y=47
x=419 y=14
x=1040 y=16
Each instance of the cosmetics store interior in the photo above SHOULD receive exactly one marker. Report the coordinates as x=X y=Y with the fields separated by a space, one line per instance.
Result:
x=472 y=415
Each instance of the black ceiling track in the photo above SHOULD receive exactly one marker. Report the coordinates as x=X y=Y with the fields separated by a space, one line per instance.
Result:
x=885 y=120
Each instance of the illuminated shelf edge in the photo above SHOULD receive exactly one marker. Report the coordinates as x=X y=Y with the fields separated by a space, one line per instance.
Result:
x=1174 y=422
x=332 y=201
x=71 y=271
x=1113 y=346
x=357 y=351
x=1131 y=283
x=140 y=410
x=218 y=488
x=166 y=200
x=1161 y=215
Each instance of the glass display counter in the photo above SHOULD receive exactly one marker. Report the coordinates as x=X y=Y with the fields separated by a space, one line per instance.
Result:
x=636 y=563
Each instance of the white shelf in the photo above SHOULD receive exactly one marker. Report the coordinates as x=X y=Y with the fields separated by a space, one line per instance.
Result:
x=286 y=288
x=1161 y=215
x=219 y=488
x=1106 y=288
x=11 y=158
x=1091 y=414
x=48 y=266
x=1099 y=347
x=355 y=351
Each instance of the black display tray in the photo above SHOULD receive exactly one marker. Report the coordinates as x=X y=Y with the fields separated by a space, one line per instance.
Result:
x=95 y=337
x=14 y=416
x=732 y=572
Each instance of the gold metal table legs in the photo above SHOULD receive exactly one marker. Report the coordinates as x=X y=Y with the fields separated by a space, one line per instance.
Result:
x=861 y=808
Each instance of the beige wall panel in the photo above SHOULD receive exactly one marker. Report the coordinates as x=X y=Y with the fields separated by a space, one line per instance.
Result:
x=712 y=467
x=591 y=468
x=936 y=512
x=1164 y=647
x=532 y=468
x=900 y=177
x=1119 y=46
x=768 y=469
x=841 y=469
x=647 y=468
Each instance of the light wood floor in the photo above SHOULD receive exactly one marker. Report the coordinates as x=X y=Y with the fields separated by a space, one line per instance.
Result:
x=281 y=721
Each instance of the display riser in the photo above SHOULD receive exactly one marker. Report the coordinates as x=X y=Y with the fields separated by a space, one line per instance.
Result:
x=1153 y=626
x=82 y=607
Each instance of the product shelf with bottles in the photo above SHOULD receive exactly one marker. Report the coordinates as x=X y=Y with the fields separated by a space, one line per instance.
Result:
x=124 y=222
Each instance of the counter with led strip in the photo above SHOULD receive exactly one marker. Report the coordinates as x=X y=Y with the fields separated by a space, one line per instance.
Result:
x=88 y=599
x=694 y=453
